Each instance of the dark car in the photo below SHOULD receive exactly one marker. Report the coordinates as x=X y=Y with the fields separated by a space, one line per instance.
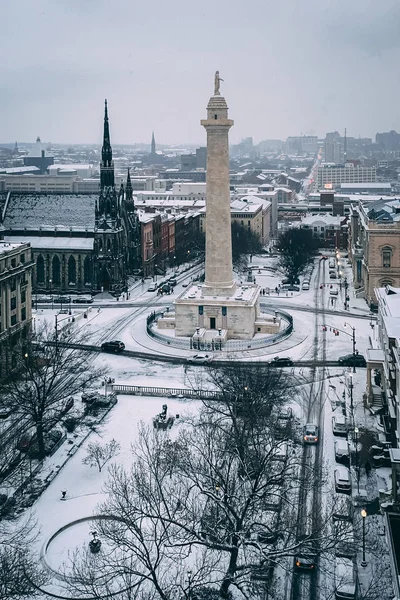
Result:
x=305 y=562
x=352 y=360
x=281 y=361
x=114 y=346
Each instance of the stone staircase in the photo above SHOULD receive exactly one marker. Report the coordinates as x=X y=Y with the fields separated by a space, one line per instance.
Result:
x=376 y=403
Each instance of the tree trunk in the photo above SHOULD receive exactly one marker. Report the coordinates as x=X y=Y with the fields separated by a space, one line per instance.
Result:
x=224 y=589
x=40 y=439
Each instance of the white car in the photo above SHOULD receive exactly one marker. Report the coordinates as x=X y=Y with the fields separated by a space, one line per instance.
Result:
x=305 y=286
x=152 y=288
x=200 y=359
x=342 y=480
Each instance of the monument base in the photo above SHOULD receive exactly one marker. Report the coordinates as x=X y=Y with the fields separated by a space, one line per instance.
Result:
x=233 y=317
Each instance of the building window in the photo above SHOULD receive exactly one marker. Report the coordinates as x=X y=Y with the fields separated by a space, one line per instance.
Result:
x=40 y=269
x=13 y=320
x=87 y=270
x=71 y=269
x=23 y=297
x=23 y=314
x=386 y=257
x=13 y=284
x=13 y=303
x=56 y=270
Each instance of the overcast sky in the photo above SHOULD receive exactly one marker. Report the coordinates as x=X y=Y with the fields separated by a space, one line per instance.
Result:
x=289 y=67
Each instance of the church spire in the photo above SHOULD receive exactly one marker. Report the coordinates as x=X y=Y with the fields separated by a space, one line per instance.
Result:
x=128 y=187
x=107 y=165
x=153 y=144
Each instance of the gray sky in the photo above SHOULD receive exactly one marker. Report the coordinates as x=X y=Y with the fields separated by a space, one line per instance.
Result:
x=289 y=66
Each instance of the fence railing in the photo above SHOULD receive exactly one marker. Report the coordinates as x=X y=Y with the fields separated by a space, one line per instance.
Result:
x=228 y=345
x=143 y=390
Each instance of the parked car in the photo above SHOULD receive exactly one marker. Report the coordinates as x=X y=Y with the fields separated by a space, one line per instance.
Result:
x=334 y=292
x=310 y=435
x=342 y=453
x=339 y=425
x=185 y=284
x=62 y=300
x=281 y=361
x=332 y=276
x=350 y=360
x=342 y=480
x=152 y=288
x=345 y=579
x=172 y=281
x=343 y=508
x=113 y=346
x=285 y=413
x=305 y=286
x=345 y=542
x=200 y=359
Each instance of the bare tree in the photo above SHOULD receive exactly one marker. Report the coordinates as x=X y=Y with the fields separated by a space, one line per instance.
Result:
x=20 y=575
x=99 y=454
x=219 y=499
x=50 y=367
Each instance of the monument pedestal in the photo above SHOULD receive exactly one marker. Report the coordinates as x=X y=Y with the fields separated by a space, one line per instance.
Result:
x=197 y=312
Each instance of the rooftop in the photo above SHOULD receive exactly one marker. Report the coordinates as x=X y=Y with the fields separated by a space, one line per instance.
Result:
x=46 y=211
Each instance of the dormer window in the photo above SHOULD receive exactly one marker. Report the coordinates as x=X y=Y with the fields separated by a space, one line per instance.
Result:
x=386 y=257
x=215 y=117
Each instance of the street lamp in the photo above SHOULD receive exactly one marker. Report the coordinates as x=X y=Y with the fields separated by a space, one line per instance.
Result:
x=189 y=574
x=364 y=515
x=354 y=344
x=51 y=293
x=356 y=431
x=351 y=386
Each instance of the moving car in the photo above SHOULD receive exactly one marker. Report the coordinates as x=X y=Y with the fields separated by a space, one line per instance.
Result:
x=334 y=292
x=305 y=286
x=342 y=480
x=152 y=288
x=200 y=359
x=305 y=562
x=310 y=435
x=283 y=361
x=352 y=360
x=332 y=276
x=113 y=346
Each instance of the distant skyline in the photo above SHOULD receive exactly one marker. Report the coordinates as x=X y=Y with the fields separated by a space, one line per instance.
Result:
x=289 y=68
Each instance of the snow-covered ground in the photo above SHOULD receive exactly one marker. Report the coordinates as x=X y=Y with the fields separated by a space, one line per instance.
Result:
x=127 y=322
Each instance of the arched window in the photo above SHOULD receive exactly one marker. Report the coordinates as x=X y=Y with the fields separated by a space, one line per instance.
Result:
x=386 y=256
x=87 y=270
x=108 y=245
x=71 y=269
x=385 y=282
x=56 y=270
x=40 y=269
x=100 y=245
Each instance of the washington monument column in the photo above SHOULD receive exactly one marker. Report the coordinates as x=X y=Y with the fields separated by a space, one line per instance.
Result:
x=219 y=273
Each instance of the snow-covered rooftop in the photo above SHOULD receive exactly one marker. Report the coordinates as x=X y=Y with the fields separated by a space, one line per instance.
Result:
x=56 y=243
x=34 y=211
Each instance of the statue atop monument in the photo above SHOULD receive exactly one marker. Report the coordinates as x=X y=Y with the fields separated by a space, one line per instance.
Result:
x=217 y=81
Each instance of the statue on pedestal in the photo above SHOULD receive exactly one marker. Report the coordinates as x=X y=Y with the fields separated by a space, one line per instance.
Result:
x=217 y=81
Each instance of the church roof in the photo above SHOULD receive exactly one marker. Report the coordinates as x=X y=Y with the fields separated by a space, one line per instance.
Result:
x=49 y=211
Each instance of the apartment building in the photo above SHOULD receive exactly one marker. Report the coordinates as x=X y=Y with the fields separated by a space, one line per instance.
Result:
x=16 y=266
x=374 y=246
x=331 y=176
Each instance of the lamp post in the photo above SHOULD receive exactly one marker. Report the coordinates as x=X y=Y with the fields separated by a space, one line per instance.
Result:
x=356 y=431
x=189 y=587
x=51 y=292
x=351 y=386
x=354 y=344
x=363 y=515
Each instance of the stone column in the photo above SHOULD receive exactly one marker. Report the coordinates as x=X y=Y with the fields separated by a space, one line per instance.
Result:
x=219 y=273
